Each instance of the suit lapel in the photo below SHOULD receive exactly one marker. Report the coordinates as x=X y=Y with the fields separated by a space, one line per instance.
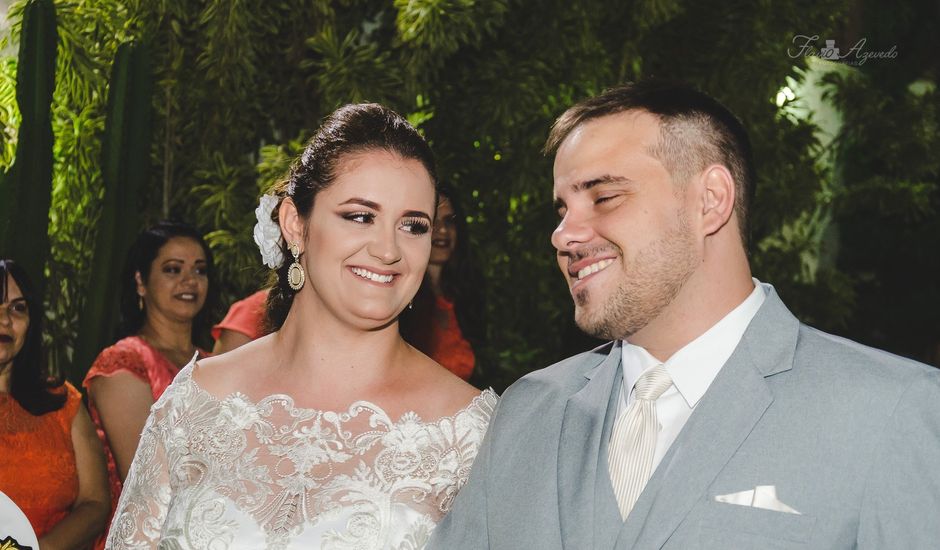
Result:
x=582 y=429
x=727 y=413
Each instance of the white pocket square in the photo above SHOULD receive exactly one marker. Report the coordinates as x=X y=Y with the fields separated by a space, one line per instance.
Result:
x=762 y=496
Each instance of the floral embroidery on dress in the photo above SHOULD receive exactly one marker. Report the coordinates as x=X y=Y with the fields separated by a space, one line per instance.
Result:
x=229 y=473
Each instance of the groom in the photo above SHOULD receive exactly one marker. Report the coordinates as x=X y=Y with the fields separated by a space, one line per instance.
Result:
x=714 y=418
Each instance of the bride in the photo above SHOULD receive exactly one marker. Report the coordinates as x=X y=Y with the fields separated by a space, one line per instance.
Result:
x=331 y=432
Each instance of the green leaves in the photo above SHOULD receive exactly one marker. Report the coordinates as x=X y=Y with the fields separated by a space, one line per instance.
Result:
x=9 y=111
x=432 y=30
x=351 y=69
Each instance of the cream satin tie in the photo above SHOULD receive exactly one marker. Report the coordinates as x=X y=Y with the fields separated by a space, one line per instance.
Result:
x=633 y=443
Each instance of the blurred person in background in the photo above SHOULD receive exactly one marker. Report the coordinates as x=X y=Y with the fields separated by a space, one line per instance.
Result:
x=53 y=466
x=446 y=319
x=167 y=282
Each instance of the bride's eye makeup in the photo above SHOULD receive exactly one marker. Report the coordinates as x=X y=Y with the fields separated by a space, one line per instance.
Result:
x=359 y=217
x=416 y=226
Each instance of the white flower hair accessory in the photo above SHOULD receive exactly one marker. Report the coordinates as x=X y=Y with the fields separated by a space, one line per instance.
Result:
x=267 y=233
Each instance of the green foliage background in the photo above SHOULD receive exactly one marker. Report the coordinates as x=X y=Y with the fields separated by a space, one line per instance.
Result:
x=847 y=230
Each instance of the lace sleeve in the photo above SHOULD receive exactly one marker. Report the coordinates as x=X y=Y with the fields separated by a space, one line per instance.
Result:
x=141 y=511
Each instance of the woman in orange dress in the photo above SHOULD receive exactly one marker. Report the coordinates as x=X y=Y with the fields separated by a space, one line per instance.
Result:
x=446 y=317
x=53 y=467
x=167 y=281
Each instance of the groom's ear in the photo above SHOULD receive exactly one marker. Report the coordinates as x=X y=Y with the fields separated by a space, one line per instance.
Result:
x=718 y=193
x=292 y=225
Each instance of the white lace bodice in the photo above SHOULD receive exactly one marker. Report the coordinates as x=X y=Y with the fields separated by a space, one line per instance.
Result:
x=230 y=473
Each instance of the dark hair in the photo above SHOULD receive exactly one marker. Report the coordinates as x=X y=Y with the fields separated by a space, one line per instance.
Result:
x=695 y=131
x=140 y=259
x=461 y=283
x=30 y=384
x=348 y=130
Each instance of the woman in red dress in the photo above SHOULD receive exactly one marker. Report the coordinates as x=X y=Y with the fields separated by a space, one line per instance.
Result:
x=167 y=282
x=53 y=467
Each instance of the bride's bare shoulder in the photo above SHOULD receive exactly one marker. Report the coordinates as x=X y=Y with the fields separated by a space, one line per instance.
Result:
x=446 y=393
x=233 y=371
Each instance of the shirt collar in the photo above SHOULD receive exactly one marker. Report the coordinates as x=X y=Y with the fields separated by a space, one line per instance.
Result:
x=695 y=366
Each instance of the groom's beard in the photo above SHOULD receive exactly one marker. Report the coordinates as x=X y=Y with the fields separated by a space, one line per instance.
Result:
x=648 y=283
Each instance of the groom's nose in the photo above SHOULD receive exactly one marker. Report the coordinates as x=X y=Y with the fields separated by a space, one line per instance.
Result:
x=572 y=232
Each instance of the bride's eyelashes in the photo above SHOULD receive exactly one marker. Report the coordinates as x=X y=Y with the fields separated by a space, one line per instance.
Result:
x=359 y=217
x=415 y=226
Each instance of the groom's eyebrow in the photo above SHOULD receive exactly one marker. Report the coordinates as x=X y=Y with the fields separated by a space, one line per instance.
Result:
x=606 y=179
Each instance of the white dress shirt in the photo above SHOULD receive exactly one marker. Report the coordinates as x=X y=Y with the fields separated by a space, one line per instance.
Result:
x=692 y=369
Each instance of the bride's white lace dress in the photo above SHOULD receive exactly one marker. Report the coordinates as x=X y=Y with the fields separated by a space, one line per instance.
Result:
x=230 y=473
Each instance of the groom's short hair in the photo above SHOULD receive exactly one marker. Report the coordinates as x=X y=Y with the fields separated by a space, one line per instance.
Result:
x=695 y=132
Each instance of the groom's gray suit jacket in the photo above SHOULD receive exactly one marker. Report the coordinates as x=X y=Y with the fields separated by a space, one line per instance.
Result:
x=850 y=437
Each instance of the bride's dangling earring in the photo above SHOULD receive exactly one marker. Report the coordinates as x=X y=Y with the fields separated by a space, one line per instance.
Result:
x=295 y=273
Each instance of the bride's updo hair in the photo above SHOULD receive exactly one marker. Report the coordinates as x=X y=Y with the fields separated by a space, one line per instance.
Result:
x=351 y=129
